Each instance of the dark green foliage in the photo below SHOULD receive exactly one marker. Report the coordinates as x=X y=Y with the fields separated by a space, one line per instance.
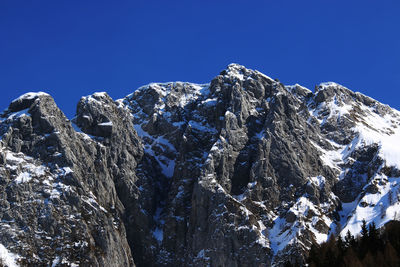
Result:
x=371 y=248
x=364 y=230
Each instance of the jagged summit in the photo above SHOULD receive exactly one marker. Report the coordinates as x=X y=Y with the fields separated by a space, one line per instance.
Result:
x=240 y=171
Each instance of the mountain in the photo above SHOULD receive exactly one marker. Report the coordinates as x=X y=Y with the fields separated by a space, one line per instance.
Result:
x=243 y=171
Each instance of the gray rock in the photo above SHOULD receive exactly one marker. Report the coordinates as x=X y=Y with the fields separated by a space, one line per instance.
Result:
x=238 y=172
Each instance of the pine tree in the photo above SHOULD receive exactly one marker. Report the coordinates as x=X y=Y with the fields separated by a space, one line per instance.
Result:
x=373 y=233
x=364 y=242
x=340 y=245
x=364 y=230
x=314 y=255
x=349 y=239
x=373 y=248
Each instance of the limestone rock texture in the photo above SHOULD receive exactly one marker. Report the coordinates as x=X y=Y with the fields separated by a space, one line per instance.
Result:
x=241 y=171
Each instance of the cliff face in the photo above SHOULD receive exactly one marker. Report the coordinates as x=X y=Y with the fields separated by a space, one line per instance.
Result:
x=243 y=171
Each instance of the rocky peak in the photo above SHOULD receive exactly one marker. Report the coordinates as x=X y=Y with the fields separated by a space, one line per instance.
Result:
x=241 y=171
x=25 y=101
x=91 y=115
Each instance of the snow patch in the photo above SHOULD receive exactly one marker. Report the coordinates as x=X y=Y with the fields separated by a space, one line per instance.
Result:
x=108 y=123
x=23 y=177
x=158 y=234
x=18 y=114
x=8 y=258
x=30 y=95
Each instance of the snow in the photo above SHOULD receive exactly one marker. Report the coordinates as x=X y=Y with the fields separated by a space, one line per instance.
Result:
x=108 y=123
x=263 y=75
x=290 y=88
x=336 y=108
x=100 y=94
x=333 y=157
x=18 y=114
x=192 y=92
x=67 y=170
x=284 y=233
x=324 y=85
x=280 y=237
x=384 y=131
x=377 y=208
x=235 y=72
x=263 y=238
x=8 y=258
x=192 y=96
x=91 y=97
x=56 y=261
x=202 y=127
x=167 y=165
x=251 y=184
x=210 y=102
x=142 y=133
x=158 y=234
x=23 y=177
x=318 y=180
x=371 y=128
x=25 y=167
x=30 y=95
x=93 y=203
x=10 y=158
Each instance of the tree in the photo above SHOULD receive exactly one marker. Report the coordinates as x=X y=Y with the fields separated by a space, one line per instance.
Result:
x=314 y=255
x=364 y=242
x=374 y=242
x=364 y=230
x=349 y=240
x=373 y=232
x=340 y=245
x=375 y=248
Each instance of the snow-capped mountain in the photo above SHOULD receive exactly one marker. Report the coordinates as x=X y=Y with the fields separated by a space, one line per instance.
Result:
x=243 y=171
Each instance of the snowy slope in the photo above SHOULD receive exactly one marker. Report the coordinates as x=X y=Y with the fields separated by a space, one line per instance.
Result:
x=374 y=125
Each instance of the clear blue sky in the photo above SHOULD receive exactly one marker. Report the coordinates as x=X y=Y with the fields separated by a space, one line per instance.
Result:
x=73 y=48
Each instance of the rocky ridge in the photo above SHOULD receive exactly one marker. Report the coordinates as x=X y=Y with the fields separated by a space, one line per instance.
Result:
x=243 y=171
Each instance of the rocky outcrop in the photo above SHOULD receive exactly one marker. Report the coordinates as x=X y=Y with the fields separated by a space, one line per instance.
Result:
x=59 y=199
x=244 y=171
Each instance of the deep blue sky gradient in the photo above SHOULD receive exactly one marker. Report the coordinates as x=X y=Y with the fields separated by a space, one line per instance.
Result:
x=74 y=48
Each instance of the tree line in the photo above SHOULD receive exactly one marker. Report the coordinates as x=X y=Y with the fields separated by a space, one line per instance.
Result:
x=372 y=247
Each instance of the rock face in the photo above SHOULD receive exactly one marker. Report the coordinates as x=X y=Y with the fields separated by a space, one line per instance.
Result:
x=243 y=171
